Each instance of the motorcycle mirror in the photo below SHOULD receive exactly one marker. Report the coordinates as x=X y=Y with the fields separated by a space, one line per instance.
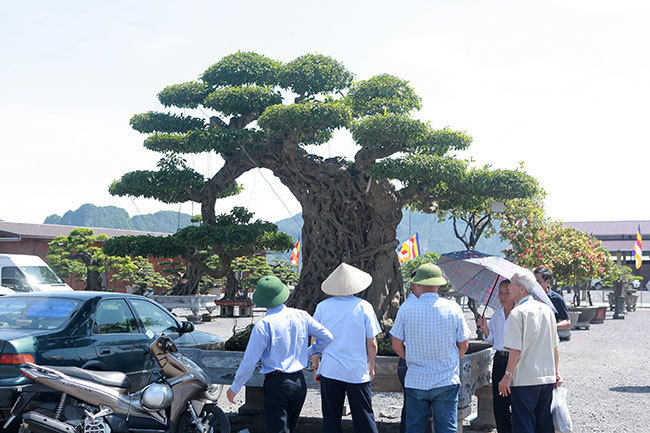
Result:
x=187 y=327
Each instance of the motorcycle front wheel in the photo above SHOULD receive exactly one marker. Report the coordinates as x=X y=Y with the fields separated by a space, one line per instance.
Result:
x=211 y=417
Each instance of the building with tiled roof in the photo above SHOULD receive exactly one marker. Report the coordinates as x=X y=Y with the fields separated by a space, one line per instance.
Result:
x=619 y=237
x=34 y=239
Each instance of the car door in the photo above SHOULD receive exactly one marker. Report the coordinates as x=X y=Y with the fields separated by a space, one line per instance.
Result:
x=158 y=320
x=119 y=342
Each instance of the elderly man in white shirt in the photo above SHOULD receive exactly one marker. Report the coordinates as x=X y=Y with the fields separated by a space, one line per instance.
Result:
x=348 y=364
x=495 y=333
x=532 y=371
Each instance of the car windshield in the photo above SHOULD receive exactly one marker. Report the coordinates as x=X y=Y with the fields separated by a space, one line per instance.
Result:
x=35 y=312
x=40 y=275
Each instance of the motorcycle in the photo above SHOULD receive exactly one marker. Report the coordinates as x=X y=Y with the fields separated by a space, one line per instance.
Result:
x=180 y=400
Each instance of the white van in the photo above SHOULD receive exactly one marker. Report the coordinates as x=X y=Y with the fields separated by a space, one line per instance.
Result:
x=23 y=273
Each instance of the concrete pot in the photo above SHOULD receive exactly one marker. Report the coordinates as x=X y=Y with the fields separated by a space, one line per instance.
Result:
x=474 y=372
x=586 y=314
x=574 y=315
x=193 y=302
x=601 y=313
x=630 y=302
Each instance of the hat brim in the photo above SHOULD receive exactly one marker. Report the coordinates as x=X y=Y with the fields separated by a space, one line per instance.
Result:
x=343 y=291
x=435 y=281
x=279 y=299
x=346 y=280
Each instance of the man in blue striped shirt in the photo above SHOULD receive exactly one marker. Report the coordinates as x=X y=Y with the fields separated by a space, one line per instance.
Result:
x=431 y=334
x=280 y=339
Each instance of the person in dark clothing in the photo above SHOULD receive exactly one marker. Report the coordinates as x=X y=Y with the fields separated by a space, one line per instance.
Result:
x=495 y=333
x=544 y=275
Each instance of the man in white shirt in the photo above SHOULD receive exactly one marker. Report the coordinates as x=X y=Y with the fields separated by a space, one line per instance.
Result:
x=430 y=332
x=532 y=370
x=348 y=363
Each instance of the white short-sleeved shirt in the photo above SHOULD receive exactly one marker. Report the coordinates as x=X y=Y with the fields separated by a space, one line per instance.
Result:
x=431 y=327
x=351 y=320
x=497 y=327
x=532 y=330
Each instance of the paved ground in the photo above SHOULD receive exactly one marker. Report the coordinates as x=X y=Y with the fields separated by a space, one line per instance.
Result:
x=605 y=369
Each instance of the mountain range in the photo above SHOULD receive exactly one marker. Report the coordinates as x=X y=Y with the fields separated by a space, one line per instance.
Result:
x=113 y=217
x=433 y=235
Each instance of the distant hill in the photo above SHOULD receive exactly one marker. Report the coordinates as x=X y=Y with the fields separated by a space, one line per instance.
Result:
x=89 y=215
x=434 y=236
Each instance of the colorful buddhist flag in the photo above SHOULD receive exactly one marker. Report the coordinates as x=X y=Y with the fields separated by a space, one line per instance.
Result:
x=409 y=250
x=638 y=248
x=295 y=254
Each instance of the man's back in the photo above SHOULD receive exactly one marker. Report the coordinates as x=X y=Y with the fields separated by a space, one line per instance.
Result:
x=431 y=327
x=351 y=320
x=286 y=331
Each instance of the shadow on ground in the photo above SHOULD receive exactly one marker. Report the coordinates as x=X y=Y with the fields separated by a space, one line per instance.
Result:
x=632 y=389
x=255 y=424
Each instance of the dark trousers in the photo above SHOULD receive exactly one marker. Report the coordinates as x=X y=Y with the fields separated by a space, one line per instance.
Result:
x=360 y=398
x=284 y=395
x=531 y=408
x=501 y=405
x=401 y=374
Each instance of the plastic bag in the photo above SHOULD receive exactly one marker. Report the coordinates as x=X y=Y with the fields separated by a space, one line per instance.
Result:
x=560 y=411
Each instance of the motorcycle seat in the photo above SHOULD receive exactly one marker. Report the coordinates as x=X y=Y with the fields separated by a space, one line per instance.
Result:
x=108 y=378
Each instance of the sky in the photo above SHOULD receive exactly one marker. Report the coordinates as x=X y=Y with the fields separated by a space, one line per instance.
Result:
x=561 y=86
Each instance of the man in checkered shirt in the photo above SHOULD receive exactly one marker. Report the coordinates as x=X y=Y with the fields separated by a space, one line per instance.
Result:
x=431 y=334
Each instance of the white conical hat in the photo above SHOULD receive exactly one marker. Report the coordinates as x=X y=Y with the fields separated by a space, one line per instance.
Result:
x=346 y=280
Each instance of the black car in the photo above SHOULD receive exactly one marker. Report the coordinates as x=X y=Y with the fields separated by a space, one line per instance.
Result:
x=93 y=330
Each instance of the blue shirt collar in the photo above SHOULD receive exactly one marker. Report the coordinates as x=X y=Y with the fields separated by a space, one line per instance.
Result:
x=275 y=309
x=432 y=295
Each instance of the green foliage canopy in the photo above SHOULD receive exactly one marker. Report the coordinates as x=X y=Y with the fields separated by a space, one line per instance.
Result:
x=242 y=91
x=261 y=113
x=232 y=235
x=80 y=253
x=140 y=272
x=382 y=94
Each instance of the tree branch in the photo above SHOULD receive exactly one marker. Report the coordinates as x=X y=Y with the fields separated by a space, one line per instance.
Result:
x=482 y=225
x=408 y=193
x=240 y=122
x=205 y=269
x=460 y=238
x=365 y=157
x=231 y=170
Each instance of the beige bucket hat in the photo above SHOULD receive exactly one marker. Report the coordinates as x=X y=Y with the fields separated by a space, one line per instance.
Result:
x=346 y=280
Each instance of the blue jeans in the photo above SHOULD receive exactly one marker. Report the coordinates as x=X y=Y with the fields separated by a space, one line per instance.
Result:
x=444 y=403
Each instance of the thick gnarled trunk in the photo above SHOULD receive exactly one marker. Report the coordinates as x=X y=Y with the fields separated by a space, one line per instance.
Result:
x=188 y=284
x=348 y=221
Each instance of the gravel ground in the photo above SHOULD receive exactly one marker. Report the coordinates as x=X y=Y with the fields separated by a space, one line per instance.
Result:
x=605 y=371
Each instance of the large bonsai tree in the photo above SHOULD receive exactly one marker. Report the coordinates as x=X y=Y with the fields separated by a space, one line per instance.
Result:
x=264 y=113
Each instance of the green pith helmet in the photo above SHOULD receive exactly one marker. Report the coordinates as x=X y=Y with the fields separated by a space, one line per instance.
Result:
x=429 y=274
x=270 y=292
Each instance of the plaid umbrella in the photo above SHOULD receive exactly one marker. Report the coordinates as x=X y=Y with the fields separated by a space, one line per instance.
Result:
x=477 y=275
